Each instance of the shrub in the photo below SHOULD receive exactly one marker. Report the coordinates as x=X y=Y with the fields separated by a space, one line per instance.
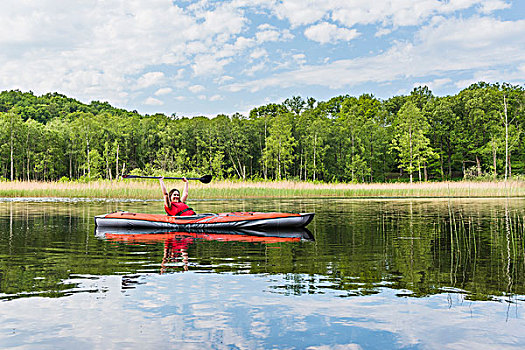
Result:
x=63 y=179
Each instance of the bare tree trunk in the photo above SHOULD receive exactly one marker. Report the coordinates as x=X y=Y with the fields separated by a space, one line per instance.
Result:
x=108 y=168
x=478 y=165
x=441 y=160
x=28 y=155
x=370 y=164
x=265 y=167
x=71 y=161
x=87 y=151
x=116 y=165
x=12 y=162
x=494 y=158
x=449 y=162
x=352 y=159
x=234 y=163
x=411 y=154
x=507 y=160
x=441 y=167
x=305 y=165
x=11 y=146
x=279 y=159
x=301 y=166
x=315 y=154
x=509 y=164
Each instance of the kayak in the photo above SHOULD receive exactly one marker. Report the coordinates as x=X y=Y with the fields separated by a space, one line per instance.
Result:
x=204 y=221
x=145 y=235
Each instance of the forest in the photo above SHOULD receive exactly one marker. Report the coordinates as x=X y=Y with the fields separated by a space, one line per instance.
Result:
x=475 y=134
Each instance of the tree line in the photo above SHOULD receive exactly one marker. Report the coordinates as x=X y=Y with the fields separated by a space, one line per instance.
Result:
x=417 y=137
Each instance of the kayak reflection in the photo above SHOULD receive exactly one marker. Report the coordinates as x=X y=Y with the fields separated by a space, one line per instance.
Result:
x=245 y=235
x=176 y=242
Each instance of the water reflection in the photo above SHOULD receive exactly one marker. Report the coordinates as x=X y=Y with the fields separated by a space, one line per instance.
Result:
x=176 y=243
x=382 y=273
x=424 y=246
x=417 y=247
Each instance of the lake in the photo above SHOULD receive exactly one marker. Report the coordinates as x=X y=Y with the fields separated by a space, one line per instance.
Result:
x=370 y=274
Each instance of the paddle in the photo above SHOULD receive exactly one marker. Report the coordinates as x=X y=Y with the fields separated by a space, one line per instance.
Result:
x=205 y=179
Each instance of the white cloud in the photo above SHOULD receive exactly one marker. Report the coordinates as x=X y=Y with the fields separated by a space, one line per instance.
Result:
x=254 y=69
x=195 y=47
x=151 y=101
x=382 y=32
x=392 y=13
x=149 y=79
x=215 y=98
x=490 y=6
x=163 y=91
x=224 y=79
x=258 y=53
x=434 y=84
x=266 y=26
x=114 y=50
x=299 y=58
x=209 y=65
x=63 y=42
x=329 y=33
x=515 y=77
x=301 y=12
x=268 y=33
x=38 y=24
x=91 y=51
x=445 y=47
x=196 y=88
x=472 y=34
x=225 y=19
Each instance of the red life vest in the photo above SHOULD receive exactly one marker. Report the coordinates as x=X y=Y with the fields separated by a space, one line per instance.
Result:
x=179 y=209
x=174 y=244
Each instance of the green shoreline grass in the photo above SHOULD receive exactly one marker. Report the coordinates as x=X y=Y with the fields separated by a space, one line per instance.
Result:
x=149 y=189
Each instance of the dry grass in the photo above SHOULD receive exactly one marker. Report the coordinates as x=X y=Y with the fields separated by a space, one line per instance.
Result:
x=149 y=189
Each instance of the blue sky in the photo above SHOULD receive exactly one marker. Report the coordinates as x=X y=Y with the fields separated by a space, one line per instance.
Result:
x=212 y=57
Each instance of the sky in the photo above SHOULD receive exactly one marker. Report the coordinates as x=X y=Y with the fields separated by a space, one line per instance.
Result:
x=207 y=57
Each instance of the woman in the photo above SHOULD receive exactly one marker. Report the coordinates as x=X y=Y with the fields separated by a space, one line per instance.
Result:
x=173 y=202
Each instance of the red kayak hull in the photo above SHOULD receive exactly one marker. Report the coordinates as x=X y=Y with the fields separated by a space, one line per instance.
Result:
x=204 y=221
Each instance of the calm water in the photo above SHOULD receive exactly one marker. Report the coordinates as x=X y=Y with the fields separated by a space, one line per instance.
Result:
x=374 y=274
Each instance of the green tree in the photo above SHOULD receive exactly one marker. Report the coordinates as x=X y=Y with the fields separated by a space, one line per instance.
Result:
x=262 y=118
x=363 y=122
x=278 y=154
x=476 y=107
x=239 y=144
x=409 y=139
x=13 y=130
x=444 y=133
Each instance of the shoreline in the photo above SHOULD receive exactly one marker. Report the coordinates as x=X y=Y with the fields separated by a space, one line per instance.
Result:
x=227 y=189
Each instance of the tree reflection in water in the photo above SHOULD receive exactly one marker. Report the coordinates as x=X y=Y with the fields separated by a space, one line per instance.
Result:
x=418 y=247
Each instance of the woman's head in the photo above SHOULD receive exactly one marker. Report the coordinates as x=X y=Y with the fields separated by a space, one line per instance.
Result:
x=174 y=195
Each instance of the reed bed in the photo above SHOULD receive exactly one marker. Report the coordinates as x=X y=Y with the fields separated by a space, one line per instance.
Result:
x=149 y=189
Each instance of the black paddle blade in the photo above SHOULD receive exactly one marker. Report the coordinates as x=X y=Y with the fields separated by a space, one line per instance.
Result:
x=206 y=179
